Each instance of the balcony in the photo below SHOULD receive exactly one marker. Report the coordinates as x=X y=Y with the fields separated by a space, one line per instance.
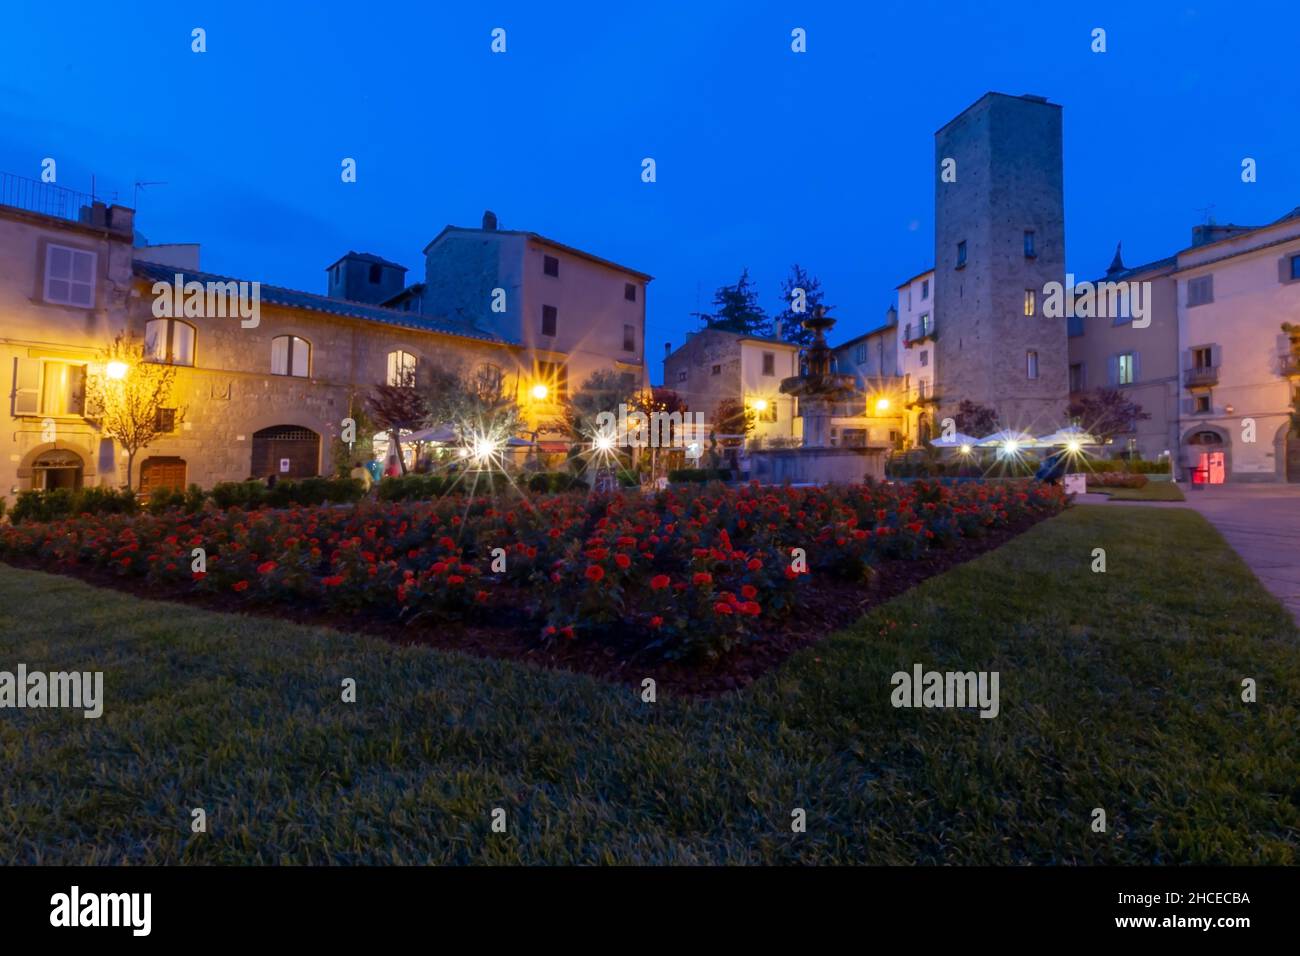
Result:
x=1202 y=376
x=1290 y=365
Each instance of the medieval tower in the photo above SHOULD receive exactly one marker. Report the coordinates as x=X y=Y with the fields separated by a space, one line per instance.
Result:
x=999 y=239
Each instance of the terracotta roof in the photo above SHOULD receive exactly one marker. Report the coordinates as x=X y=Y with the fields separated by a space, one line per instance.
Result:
x=293 y=299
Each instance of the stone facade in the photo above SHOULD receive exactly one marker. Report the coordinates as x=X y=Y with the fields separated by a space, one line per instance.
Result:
x=713 y=366
x=229 y=393
x=1009 y=181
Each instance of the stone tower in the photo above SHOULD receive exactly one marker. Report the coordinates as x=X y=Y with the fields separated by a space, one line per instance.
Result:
x=999 y=234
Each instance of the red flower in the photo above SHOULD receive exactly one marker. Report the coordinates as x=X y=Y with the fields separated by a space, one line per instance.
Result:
x=333 y=581
x=266 y=568
x=595 y=572
x=240 y=585
x=702 y=577
x=656 y=622
x=659 y=582
x=754 y=564
x=455 y=580
x=722 y=607
x=623 y=561
x=751 y=608
x=567 y=632
x=749 y=591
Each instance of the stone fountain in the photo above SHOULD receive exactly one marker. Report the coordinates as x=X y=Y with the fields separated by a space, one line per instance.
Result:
x=818 y=390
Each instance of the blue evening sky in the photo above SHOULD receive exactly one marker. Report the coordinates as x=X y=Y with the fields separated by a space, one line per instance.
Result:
x=765 y=157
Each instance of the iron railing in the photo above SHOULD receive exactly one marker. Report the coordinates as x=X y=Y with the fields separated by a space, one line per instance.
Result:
x=44 y=198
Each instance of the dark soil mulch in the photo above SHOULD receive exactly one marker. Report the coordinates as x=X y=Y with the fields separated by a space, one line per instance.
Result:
x=829 y=606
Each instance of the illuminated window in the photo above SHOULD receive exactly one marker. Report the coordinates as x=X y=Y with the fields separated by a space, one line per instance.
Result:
x=290 y=355
x=170 y=341
x=1031 y=302
x=401 y=369
x=1031 y=365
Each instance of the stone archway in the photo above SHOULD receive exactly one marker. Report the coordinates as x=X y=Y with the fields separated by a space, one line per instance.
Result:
x=58 y=468
x=285 y=451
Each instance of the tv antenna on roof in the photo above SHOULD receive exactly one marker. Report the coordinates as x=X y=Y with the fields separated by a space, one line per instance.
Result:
x=135 y=196
x=1207 y=212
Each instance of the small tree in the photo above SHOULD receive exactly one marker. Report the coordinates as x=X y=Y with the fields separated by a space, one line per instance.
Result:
x=976 y=420
x=603 y=391
x=394 y=408
x=1105 y=413
x=737 y=309
x=132 y=399
x=792 y=316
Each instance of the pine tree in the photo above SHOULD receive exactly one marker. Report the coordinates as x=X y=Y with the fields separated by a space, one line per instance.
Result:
x=801 y=294
x=736 y=309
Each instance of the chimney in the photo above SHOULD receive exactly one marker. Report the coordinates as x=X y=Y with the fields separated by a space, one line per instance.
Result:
x=776 y=328
x=668 y=349
x=489 y=220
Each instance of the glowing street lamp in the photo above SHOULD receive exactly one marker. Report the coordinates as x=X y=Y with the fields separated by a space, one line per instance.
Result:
x=882 y=405
x=1011 y=446
x=116 y=370
x=965 y=449
x=1073 y=447
x=604 y=442
x=540 y=391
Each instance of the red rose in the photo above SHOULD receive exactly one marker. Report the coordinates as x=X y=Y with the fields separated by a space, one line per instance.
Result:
x=754 y=564
x=240 y=585
x=702 y=578
x=595 y=572
x=749 y=591
x=656 y=622
x=659 y=582
x=623 y=561
x=455 y=580
x=751 y=608
x=722 y=607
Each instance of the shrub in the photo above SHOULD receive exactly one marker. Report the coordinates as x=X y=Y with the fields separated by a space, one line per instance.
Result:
x=555 y=482
x=64 y=502
x=1117 y=479
x=238 y=494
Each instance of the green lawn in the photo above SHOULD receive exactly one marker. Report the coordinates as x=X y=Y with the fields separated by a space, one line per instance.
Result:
x=1152 y=491
x=1118 y=690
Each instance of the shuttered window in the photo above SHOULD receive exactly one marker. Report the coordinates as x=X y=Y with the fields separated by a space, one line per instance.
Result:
x=69 y=276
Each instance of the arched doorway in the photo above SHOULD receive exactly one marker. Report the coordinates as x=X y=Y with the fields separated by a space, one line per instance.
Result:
x=57 y=468
x=286 y=451
x=1207 y=456
x=162 y=473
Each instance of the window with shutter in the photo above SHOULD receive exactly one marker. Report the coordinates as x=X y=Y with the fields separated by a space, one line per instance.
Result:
x=27 y=387
x=69 y=276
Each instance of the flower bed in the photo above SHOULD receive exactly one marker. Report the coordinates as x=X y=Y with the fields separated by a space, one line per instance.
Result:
x=688 y=572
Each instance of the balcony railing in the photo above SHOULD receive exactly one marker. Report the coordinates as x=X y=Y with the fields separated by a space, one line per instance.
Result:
x=44 y=198
x=1201 y=376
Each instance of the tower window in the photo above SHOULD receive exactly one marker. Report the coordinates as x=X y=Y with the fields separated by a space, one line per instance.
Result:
x=1030 y=251
x=961 y=254
x=551 y=266
x=1031 y=302
x=629 y=291
x=375 y=273
x=1031 y=365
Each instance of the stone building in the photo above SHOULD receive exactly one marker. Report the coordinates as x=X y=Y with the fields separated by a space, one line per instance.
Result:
x=1139 y=361
x=877 y=418
x=65 y=289
x=270 y=396
x=918 y=358
x=570 y=312
x=714 y=366
x=999 y=242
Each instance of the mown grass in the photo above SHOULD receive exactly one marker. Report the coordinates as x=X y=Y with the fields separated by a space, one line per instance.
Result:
x=1151 y=491
x=1119 y=690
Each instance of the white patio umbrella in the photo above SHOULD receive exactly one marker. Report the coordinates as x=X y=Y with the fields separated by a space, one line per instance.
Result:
x=440 y=433
x=1069 y=435
x=1009 y=436
x=958 y=440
